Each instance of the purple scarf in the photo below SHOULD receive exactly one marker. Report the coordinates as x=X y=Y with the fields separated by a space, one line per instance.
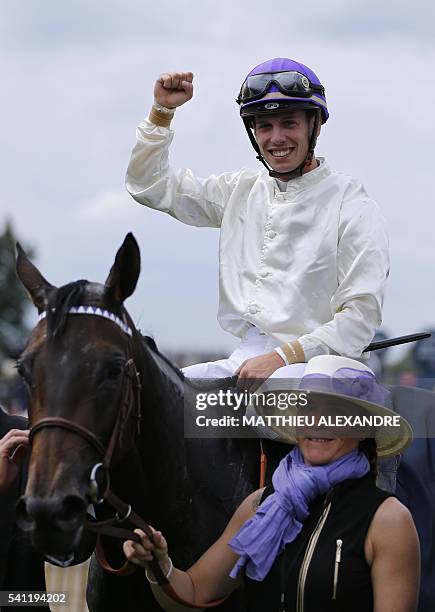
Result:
x=279 y=519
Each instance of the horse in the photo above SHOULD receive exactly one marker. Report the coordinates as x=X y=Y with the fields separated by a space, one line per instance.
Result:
x=99 y=389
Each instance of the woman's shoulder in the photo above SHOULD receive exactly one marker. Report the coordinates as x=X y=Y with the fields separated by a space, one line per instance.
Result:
x=392 y=536
x=391 y=515
x=392 y=527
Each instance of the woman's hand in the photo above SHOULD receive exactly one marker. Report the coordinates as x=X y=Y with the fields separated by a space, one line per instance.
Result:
x=173 y=89
x=141 y=554
x=208 y=579
x=13 y=447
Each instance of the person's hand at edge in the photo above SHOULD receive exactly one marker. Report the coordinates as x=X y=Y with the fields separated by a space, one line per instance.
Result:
x=13 y=447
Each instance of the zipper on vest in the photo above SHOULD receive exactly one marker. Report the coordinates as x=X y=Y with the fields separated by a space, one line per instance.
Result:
x=308 y=556
x=336 y=567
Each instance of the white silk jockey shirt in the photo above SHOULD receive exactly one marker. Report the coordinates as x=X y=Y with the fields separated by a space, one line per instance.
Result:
x=309 y=263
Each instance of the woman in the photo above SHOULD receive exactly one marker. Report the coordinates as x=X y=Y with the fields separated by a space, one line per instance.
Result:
x=324 y=537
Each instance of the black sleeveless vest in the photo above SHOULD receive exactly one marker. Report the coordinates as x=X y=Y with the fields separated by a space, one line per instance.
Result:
x=324 y=568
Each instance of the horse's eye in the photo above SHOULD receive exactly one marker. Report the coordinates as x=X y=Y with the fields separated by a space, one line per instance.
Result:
x=109 y=371
x=114 y=370
x=24 y=371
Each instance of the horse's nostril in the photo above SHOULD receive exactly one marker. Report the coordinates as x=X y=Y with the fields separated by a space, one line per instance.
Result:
x=71 y=512
x=24 y=521
x=65 y=513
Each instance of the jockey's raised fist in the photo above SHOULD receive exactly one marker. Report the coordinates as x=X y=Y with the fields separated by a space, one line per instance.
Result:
x=173 y=89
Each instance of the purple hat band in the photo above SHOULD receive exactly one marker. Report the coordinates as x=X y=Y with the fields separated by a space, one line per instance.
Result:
x=358 y=384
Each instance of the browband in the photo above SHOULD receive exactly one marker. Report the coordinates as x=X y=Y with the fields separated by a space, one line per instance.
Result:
x=95 y=311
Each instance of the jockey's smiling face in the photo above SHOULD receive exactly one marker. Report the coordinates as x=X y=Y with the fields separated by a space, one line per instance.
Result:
x=283 y=138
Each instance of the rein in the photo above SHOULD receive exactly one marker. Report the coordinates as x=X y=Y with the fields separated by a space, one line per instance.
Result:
x=130 y=407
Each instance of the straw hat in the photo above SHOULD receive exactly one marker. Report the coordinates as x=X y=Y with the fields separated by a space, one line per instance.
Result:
x=329 y=384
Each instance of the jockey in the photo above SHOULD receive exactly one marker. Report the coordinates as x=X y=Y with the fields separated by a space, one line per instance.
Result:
x=303 y=248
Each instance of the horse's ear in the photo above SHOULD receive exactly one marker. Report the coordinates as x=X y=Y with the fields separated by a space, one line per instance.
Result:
x=37 y=287
x=124 y=274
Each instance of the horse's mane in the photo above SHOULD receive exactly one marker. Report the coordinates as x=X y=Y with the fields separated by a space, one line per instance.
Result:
x=150 y=344
x=60 y=302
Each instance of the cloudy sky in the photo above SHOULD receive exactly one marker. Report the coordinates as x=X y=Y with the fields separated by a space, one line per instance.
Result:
x=77 y=77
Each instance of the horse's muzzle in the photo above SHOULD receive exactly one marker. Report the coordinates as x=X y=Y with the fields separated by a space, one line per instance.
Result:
x=54 y=524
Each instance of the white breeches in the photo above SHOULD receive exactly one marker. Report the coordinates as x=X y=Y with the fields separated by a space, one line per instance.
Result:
x=253 y=343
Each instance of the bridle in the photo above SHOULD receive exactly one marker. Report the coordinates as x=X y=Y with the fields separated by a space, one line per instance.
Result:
x=130 y=407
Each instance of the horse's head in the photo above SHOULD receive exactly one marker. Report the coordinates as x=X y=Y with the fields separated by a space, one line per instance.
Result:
x=79 y=368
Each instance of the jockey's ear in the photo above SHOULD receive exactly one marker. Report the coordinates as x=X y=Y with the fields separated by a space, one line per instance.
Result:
x=37 y=287
x=124 y=273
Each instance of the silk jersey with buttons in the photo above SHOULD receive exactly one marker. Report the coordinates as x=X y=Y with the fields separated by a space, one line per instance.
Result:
x=309 y=263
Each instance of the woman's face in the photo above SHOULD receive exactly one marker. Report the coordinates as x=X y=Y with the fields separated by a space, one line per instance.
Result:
x=321 y=444
x=318 y=451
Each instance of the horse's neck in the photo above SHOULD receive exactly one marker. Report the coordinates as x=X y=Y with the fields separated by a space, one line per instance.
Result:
x=162 y=406
x=161 y=445
x=157 y=457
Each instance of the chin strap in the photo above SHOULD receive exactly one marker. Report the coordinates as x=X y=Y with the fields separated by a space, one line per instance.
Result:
x=297 y=172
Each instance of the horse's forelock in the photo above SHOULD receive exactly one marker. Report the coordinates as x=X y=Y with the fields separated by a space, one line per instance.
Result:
x=60 y=302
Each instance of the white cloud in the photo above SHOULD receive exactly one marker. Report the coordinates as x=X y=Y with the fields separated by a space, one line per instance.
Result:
x=105 y=207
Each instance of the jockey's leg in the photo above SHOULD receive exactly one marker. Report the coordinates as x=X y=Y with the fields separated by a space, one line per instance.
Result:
x=211 y=369
x=253 y=343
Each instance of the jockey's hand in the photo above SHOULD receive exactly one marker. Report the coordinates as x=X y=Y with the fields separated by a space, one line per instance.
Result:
x=13 y=447
x=141 y=554
x=253 y=372
x=173 y=89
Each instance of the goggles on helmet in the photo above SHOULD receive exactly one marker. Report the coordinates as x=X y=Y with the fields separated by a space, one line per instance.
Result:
x=291 y=83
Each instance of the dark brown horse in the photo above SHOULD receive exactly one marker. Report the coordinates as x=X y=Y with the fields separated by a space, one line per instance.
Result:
x=82 y=365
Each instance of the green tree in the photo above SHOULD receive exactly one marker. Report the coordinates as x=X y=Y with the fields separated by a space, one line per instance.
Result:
x=13 y=299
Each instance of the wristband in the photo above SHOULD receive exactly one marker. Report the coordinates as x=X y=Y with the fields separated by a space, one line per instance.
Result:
x=294 y=352
x=160 y=118
x=281 y=353
x=163 y=109
x=171 y=567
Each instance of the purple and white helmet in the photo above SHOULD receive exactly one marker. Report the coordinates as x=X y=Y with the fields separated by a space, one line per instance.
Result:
x=281 y=84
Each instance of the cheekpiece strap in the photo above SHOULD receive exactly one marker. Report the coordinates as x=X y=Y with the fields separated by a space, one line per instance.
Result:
x=95 y=311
